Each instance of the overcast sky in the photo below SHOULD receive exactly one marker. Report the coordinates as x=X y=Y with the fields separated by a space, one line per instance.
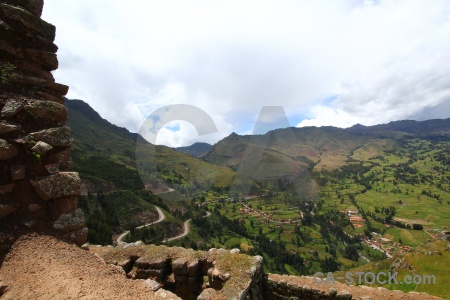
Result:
x=325 y=62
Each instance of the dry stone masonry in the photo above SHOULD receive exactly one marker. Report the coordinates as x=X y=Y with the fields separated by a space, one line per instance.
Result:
x=213 y=274
x=226 y=274
x=37 y=190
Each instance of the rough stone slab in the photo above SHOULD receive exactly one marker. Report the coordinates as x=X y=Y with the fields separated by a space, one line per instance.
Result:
x=235 y=251
x=47 y=60
x=59 y=136
x=6 y=127
x=150 y=263
x=29 y=21
x=6 y=188
x=34 y=207
x=181 y=279
x=193 y=267
x=79 y=236
x=153 y=285
x=6 y=210
x=70 y=221
x=7 y=151
x=62 y=206
x=179 y=266
x=41 y=148
x=207 y=294
x=58 y=185
x=11 y=108
x=163 y=294
x=32 y=6
x=344 y=295
x=17 y=172
x=126 y=265
x=156 y=274
x=47 y=110
x=52 y=168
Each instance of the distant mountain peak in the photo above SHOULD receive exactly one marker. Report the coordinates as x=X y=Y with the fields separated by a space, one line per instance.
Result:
x=196 y=150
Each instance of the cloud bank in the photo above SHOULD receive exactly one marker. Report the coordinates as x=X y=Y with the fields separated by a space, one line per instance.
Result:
x=327 y=63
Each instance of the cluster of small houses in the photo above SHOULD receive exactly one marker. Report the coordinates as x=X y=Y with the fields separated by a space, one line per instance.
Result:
x=385 y=245
x=378 y=242
x=354 y=219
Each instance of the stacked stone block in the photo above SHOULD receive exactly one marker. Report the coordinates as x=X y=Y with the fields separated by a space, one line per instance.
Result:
x=37 y=190
x=188 y=278
x=152 y=267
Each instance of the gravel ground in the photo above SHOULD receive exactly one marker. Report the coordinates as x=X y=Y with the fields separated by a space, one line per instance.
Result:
x=42 y=267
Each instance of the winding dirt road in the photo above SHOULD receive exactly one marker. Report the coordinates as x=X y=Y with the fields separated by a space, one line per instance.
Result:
x=185 y=232
x=162 y=217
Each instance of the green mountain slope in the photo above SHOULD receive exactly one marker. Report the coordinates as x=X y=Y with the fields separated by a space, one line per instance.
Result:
x=324 y=148
x=104 y=152
x=195 y=150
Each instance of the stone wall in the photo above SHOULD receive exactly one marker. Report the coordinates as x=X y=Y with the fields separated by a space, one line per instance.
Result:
x=205 y=275
x=227 y=274
x=37 y=190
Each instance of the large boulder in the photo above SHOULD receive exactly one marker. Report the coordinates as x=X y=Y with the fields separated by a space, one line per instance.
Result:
x=7 y=151
x=69 y=222
x=47 y=110
x=79 y=236
x=59 y=136
x=6 y=127
x=58 y=185
x=11 y=108
x=6 y=210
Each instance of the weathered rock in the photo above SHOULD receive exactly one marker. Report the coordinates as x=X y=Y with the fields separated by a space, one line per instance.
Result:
x=207 y=294
x=126 y=264
x=31 y=22
x=6 y=188
x=150 y=263
x=6 y=127
x=215 y=279
x=47 y=110
x=58 y=185
x=30 y=224
x=6 y=210
x=11 y=108
x=156 y=274
x=47 y=60
x=33 y=6
x=344 y=295
x=52 y=168
x=70 y=221
x=62 y=206
x=3 y=288
x=163 y=294
x=41 y=148
x=193 y=268
x=34 y=207
x=79 y=236
x=181 y=279
x=59 y=136
x=18 y=172
x=235 y=251
x=153 y=285
x=179 y=266
x=7 y=151
x=62 y=158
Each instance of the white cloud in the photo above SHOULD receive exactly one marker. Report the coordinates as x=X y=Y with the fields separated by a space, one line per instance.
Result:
x=386 y=60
